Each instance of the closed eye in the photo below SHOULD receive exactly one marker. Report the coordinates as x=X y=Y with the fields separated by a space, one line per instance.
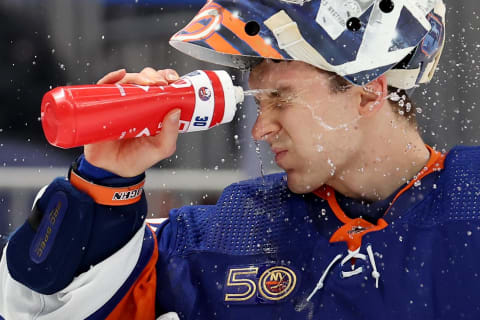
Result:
x=282 y=95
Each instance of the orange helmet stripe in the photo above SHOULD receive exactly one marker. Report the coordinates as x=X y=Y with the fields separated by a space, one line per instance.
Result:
x=257 y=43
x=218 y=43
x=195 y=27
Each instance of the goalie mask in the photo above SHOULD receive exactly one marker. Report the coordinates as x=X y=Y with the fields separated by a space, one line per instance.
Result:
x=359 y=40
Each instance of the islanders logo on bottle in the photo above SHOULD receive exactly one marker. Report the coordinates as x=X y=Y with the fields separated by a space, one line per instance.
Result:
x=204 y=93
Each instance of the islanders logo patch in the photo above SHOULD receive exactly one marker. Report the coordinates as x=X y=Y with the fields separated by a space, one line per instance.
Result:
x=277 y=283
x=259 y=284
x=204 y=93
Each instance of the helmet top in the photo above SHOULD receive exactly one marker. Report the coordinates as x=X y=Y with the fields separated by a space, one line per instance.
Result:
x=359 y=40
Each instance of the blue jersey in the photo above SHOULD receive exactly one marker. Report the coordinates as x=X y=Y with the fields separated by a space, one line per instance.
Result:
x=264 y=252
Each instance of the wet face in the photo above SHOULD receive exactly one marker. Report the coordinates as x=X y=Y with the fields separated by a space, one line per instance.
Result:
x=312 y=130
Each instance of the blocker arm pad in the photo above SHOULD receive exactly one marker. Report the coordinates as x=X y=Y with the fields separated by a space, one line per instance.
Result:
x=68 y=232
x=46 y=259
x=46 y=251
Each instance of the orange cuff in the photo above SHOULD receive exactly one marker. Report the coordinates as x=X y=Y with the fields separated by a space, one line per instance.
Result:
x=108 y=196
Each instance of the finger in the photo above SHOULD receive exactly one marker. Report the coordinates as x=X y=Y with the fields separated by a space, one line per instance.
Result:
x=169 y=74
x=137 y=78
x=154 y=75
x=112 y=77
x=166 y=141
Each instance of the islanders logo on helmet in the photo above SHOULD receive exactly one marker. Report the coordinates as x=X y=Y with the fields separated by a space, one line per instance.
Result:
x=205 y=24
x=359 y=40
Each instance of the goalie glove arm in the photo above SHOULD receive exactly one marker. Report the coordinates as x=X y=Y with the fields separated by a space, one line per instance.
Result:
x=69 y=232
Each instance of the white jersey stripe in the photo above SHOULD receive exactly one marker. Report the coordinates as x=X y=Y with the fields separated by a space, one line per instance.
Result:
x=86 y=294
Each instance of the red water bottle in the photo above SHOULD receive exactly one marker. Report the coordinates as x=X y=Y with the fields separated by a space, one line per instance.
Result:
x=73 y=116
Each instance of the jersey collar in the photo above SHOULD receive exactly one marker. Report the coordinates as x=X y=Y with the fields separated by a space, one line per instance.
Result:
x=353 y=230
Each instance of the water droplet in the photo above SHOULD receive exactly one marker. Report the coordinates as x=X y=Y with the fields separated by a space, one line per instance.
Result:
x=408 y=107
x=257 y=91
x=259 y=156
x=333 y=168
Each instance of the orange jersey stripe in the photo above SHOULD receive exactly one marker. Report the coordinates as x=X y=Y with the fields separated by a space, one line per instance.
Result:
x=218 y=43
x=435 y=163
x=139 y=302
x=237 y=26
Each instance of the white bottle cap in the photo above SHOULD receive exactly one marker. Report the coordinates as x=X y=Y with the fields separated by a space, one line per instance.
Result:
x=239 y=96
x=233 y=95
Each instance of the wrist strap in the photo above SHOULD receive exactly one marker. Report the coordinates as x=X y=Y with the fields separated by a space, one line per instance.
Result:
x=108 y=196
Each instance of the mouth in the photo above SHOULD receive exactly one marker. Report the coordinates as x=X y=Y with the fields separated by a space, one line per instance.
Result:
x=279 y=154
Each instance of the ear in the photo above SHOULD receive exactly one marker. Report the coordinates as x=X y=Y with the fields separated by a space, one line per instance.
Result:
x=373 y=96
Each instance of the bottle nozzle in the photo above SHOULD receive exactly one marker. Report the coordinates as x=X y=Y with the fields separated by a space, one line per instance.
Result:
x=239 y=96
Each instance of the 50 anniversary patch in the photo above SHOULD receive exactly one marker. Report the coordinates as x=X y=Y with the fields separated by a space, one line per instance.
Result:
x=259 y=284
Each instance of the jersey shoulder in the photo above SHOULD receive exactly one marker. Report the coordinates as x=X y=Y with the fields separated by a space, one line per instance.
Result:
x=249 y=217
x=460 y=184
x=467 y=157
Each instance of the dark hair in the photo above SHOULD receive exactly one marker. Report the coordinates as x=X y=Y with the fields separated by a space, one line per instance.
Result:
x=401 y=102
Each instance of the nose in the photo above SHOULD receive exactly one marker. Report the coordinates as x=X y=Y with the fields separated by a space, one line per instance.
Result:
x=265 y=127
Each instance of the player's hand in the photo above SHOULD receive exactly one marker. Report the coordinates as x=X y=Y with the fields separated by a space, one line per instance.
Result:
x=131 y=157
